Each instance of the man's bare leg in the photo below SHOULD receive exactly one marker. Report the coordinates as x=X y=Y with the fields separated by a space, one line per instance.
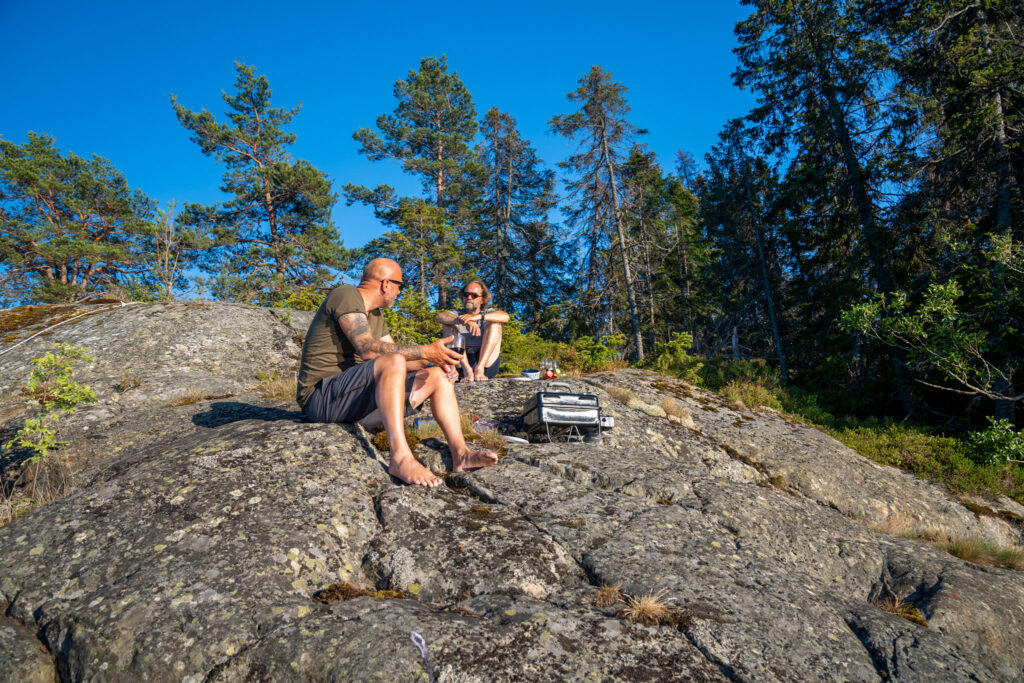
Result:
x=490 y=349
x=445 y=407
x=389 y=387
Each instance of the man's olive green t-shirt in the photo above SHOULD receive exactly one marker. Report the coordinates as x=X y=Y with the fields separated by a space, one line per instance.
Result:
x=327 y=351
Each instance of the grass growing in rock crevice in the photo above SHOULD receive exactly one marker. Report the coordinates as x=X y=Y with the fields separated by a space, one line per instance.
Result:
x=653 y=609
x=900 y=608
x=275 y=388
x=980 y=551
x=970 y=549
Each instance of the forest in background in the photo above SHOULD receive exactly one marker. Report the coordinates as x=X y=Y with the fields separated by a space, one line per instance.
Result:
x=852 y=246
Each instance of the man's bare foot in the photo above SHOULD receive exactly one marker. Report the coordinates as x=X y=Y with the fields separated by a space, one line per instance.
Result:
x=481 y=377
x=409 y=470
x=472 y=460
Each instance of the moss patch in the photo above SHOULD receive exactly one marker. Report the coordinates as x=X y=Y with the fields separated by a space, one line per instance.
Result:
x=340 y=592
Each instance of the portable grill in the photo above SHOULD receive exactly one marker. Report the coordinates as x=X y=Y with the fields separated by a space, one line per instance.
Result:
x=562 y=415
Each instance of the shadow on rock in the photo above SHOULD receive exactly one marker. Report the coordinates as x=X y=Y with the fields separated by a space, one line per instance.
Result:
x=225 y=412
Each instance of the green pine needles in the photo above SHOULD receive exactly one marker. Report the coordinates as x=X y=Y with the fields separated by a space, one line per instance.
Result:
x=53 y=386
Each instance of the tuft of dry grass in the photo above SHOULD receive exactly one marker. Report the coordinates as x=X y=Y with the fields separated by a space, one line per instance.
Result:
x=607 y=596
x=486 y=440
x=898 y=607
x=980 y=551
x=744 y=394
x=274 y=388
x=51 y=479
x=188 y=398
x=620 y=394
x=127 y=381
x=969 y=549
x=673 y=407
x=651 y=609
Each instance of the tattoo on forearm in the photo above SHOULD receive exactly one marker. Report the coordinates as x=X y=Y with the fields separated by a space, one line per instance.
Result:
x=357 y=328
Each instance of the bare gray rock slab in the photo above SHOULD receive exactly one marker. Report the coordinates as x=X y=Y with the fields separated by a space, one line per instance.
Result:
x=200 y=536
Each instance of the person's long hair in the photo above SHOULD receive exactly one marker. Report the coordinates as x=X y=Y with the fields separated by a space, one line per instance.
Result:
x=486 y=303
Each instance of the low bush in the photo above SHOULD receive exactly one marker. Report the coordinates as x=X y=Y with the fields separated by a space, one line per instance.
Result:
x=525 y=351
x=998 y=444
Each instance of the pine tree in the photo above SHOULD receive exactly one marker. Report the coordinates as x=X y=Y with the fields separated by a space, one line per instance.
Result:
x=276 y=234
x=430 y=134
x=69 y=226
x=605 y=137
x=512 y=246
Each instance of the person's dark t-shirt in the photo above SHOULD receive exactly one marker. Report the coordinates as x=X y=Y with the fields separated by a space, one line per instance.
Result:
x=327 y=351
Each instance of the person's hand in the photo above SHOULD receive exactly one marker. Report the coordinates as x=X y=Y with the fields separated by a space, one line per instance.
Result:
x=451 y=373
x=472 y=323
x=439 y=354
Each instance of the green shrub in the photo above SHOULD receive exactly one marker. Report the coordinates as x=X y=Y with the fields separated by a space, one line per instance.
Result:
x=303 y=299
x=716 y=373
x=751 y=394
x=413 y=320
x=52 y=385
x=592 y=356
x=673 y=358
x=524 y=351
x=997 y=444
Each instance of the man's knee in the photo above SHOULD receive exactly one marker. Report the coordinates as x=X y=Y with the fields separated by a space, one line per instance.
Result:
x=389 y=363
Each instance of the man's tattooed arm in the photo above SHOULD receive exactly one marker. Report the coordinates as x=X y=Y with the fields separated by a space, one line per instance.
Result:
x=357 y=328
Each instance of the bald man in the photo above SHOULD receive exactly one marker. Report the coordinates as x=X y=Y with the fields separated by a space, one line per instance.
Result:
x=352 y=371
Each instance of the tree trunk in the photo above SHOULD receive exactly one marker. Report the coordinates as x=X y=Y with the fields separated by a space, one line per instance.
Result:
x=854 y=172
x=630 y=294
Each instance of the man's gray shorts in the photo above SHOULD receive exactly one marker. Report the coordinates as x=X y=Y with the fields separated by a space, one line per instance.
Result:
x=350 y=397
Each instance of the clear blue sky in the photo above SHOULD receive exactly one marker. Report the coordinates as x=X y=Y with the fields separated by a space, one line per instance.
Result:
x=97 y=76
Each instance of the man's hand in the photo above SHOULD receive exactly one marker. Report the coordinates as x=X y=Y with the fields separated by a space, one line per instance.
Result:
x=439 y=354
x=473 y=328
x=472 y=323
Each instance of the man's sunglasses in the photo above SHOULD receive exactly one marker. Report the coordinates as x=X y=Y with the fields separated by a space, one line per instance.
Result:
x=472 y=295
x=400 y=283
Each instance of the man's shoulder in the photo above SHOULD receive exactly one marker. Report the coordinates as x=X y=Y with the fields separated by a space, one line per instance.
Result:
x=345 y=299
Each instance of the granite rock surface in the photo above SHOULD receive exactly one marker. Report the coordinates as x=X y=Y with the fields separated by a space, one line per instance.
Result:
x=207 y=525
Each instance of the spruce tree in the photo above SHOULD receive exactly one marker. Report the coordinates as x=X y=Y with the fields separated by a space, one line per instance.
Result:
x=275 y=236
x=512 y=246
x=818 y=73
x=604 y=136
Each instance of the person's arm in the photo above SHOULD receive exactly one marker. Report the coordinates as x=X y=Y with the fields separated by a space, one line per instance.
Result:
x=356 y=327
x=447 y=317
x=500 y=317
x=409 y=364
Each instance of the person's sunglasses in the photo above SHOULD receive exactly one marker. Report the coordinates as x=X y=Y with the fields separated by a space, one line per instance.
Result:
x=471 y=295
x=400 y=283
